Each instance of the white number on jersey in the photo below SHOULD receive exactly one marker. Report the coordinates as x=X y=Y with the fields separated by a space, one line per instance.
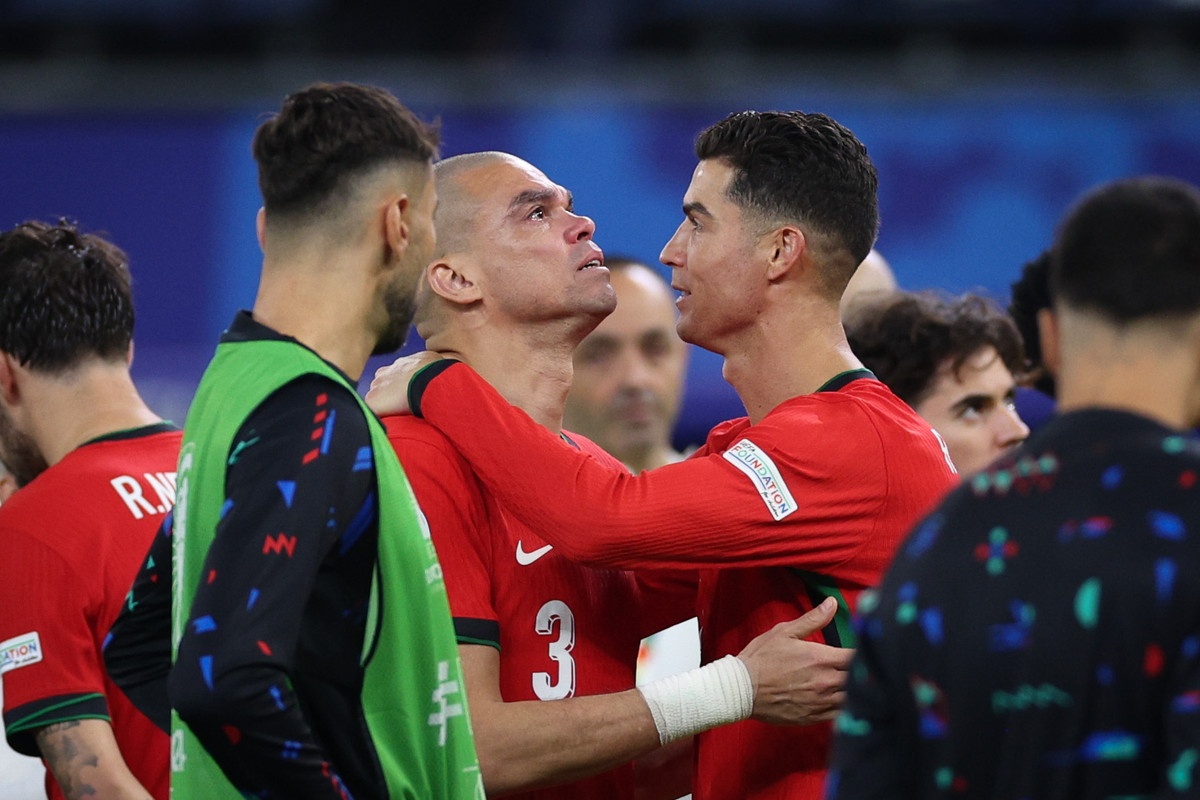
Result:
x=552 y=613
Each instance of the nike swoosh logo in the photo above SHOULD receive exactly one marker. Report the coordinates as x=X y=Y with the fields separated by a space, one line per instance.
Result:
x=525 y=559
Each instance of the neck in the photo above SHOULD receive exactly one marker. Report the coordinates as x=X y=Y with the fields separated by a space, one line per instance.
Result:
x=92 y=400
x=323 y=302
x=530 y=366
x=786 y=354
x=1143 y=388
x=1146 y=370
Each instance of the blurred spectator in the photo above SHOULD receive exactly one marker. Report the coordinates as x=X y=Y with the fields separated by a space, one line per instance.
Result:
x=625 y=397
x=873 y=278
x=629 y=372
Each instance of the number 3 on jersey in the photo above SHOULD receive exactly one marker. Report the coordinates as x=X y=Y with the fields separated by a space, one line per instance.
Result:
x=555 y=619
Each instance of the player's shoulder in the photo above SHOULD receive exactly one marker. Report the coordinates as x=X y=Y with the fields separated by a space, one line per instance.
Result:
x=405 y=428
x=309 y=397
x=47 y=513
x=863 y=408
x=426 y=454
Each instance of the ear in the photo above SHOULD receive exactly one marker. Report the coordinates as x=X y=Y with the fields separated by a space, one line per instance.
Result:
x=451 y=283
x=786 y=246
x=260 y=228
x=395 y=225
x=10 y=388
x=129 y=355
x=1050 y=337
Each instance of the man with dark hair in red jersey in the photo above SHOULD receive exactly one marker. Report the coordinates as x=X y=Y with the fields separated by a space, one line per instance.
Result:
x=804 y=499
x=72 y=539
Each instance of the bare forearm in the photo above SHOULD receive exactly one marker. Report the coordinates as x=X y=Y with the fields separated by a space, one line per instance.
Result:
x=84 y=759
x=526 y=745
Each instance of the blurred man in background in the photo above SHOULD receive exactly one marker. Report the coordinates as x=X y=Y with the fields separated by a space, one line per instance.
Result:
x=629 y=372
x=625 y=395
x=872 y=280
x=97 y=468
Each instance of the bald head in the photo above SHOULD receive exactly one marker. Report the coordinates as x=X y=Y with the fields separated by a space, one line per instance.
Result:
x=457 y=208
x=509 y=243
x=458 y=204
x=873 y=279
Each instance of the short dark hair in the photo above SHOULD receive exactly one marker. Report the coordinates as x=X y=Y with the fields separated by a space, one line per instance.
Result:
x=64 y=296
x=1130 y=249
x=906 y=337
x=329 y=133
x=804 y=167
x=1031 y=294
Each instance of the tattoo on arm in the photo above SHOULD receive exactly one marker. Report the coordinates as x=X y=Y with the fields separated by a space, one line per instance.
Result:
x=68 y=754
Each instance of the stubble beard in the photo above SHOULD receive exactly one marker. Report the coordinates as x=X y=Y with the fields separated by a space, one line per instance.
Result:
x=19 y=452
x=399 y=304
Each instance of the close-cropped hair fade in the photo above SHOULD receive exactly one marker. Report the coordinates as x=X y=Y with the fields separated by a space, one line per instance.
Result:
x=327 y=134
x=802 y=167
x=65 y=296
x=1130 y=250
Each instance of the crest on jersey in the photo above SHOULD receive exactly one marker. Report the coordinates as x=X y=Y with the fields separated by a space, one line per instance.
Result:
x=761 y=470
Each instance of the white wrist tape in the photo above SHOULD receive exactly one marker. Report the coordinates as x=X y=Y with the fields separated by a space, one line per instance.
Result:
x=686 y=704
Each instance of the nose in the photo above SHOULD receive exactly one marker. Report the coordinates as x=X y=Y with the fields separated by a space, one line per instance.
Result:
x=635 y=371
x=1010 y=428
x=672 y=254
x=582 y=229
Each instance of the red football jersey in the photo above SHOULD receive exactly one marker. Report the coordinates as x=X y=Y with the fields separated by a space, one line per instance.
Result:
x=810 y=502
x=70 y=544
x=562 y=629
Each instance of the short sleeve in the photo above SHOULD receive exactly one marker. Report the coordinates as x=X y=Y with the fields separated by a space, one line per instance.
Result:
x=49 y=658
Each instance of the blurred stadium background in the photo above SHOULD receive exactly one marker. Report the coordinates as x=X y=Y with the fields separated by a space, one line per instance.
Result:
x=985 y=118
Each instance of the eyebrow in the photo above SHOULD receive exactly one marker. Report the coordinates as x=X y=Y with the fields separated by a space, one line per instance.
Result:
x=534 y=196
x=972 y=400
x=695 y=207
x=984 y=400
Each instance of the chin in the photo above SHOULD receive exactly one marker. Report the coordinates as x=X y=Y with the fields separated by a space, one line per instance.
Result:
x=688 y=333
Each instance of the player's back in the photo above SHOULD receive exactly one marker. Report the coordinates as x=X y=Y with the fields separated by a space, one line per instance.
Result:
x=1054 y=615
x=74 y=539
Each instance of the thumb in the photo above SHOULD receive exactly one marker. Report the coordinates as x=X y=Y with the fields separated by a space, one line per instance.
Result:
x=814 y=620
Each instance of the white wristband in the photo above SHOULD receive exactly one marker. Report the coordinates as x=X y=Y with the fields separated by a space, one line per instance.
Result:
x=686 y=704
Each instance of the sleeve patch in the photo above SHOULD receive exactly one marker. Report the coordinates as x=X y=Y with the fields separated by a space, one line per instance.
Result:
x=20 y=651
x=762 y=472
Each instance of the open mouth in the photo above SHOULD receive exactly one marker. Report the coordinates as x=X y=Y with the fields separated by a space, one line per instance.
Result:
x=595 y=263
